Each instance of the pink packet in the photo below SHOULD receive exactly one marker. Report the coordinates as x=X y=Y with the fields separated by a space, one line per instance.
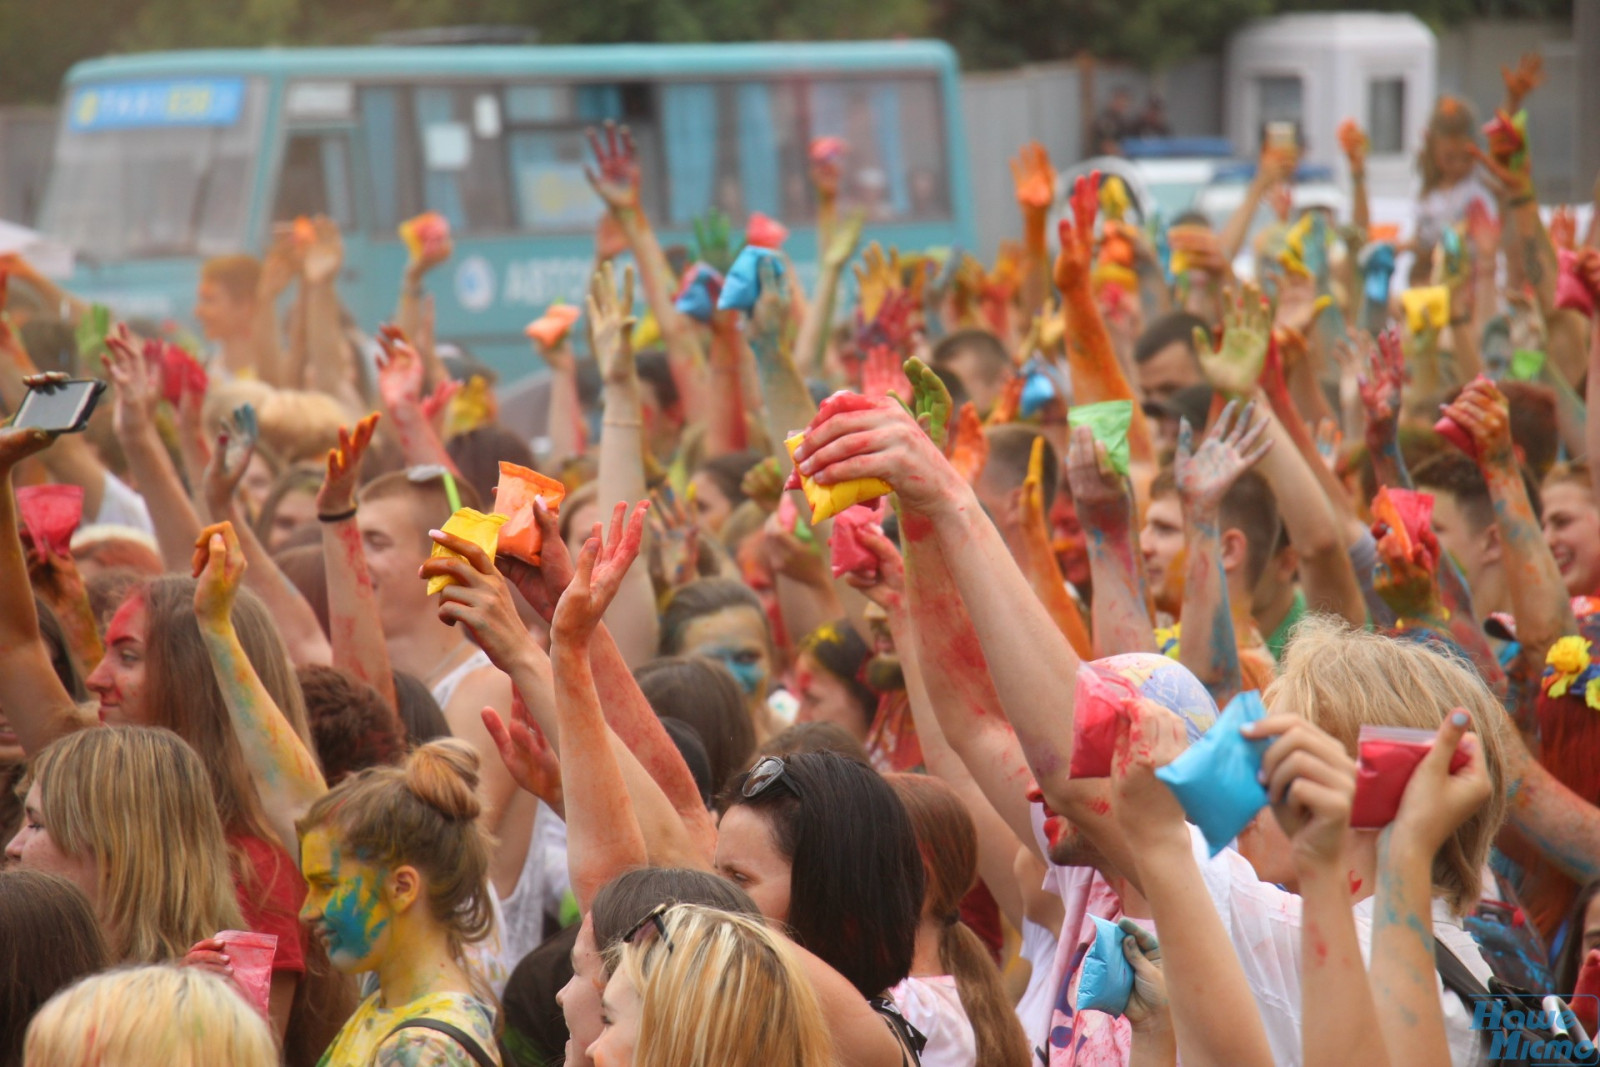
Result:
x=847 y=553
x=1386 y=758
x=1099 y=699
x=250 y=955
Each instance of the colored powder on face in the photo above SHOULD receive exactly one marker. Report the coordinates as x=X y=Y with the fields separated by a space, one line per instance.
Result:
x=748 y=675
x=354 y=916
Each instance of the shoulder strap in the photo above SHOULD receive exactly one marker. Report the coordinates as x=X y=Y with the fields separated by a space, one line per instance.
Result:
x=1457 y=978
x=454 y=1033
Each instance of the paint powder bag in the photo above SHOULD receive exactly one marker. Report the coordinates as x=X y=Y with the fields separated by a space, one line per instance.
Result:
x=1099 y=699
x=828 y=500
x=250 y=955
x=847 y=553
x=697 y=296
x=548 y=329
x=764 y=232
x=514 y=497
x=1109 y=422
x=482 y=530
x=1386 y=757
x=1215 y=778
x=1106 y=980
x=50 y=513
x=743 y=283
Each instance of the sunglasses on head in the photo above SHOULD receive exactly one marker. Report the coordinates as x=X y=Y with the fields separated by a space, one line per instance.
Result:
x=423 y=473
x=655 y=918
x=768 y=772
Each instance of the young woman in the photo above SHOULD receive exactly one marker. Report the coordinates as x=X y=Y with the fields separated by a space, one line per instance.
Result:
x=828 y=674
x=126 y=815
x=49 y=938
x=703 y=694
x=721 y=619
x=397 y=866
x=689 y=981
x=174 y=1016
x=954 y=994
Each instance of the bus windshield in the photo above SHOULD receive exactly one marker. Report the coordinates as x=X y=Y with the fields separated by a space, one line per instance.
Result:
x=156 y=168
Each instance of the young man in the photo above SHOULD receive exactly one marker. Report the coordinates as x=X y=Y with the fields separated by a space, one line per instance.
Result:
x=981 y=362
x=999 y=487
x=1164 y=358
x=225 y=307
x=1463 y=520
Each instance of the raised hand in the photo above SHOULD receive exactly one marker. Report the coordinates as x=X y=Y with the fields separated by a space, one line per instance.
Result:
x=1353 y=140
x=1527 y=77
x=930 y=400
x=236 y=444
x=322 y=259
x=968 y=447
x=1234 y=367
x=616 y=175
x=1482 y=410
x=219 y=566
x=1235 y=444
x=138 y=390
x=526 y=752
x=1100 y=495
x=1076 y=261
x=1514 y=174
x=282 y=264
x=762 y=483
x=713 y=240
x=887 y=589
x=1034 y=179
x=843 y=243
x=1564 y=228
x=825 y=155
x=875 y=280
x=769 y=318
x=598 y=574
x=611 y=323
x=480 y=600
x=1385 y=377
x=1405 y=581
x=856 y=438
x=436 y=404
x=399 y=371
x=338 y=493
x=1148 y=814
x=1311 y=783
x=543 y=585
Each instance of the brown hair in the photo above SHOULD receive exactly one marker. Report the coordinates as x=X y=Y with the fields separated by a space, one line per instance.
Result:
x=300 y=478
x=703 y=694
x=352 y=726
x=424 y=813
x=238 y=275
x=306 y=568
x=430 y=503
x=1452 y=117
x=949 y=844
x=1573 y=472
x=48 y=939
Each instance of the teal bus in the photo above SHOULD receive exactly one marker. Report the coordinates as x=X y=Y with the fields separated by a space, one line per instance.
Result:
x=164 y=159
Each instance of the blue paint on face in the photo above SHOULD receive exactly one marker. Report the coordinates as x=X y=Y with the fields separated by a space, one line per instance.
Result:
x=746 y=671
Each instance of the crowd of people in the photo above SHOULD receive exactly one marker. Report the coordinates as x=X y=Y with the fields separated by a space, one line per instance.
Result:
x=1091 y=658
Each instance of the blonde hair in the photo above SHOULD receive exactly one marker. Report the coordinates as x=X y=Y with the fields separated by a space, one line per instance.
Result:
x=423 y=814
x=174 y=1016
x=137 y=800
x=297 y=425
x=1343 y=679
x=728 y=991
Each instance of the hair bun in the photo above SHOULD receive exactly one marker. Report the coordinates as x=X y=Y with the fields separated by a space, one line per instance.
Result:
x=443 y=774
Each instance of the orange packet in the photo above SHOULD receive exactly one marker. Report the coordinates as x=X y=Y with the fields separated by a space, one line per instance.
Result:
x=426 y=230
x=468 y=524
x=548 y=329
x=514 y=497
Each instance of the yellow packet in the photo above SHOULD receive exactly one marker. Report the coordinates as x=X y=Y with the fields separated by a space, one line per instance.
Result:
x=1427 y=306
x=468 y=524
x=828 y=500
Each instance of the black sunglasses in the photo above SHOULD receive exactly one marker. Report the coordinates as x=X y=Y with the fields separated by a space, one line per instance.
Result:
x=655 y=918
x=768 y=772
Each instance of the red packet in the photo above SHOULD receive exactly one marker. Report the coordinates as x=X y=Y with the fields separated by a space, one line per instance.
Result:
x=1386 y=758
x=1451 y=431
x=514 y=496
x=1571 y=293
x=250 y=955
x=549 y=328
x=827 y=149
x=765 y=232
x=1409 y=512
x=50 y=514
x=1099 y=699
x=788 y=510
x=180 y=373
x=848 y=554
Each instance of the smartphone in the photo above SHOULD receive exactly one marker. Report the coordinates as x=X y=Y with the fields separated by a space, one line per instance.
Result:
x=60 y=407
x=1282 y=135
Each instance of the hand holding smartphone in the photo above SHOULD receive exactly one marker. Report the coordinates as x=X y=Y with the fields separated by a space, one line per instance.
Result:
x=59 y=406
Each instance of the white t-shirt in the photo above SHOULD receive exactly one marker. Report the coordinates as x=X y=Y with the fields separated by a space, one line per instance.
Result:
x=1039 y=949
x=933 y=1006
x=121 y=506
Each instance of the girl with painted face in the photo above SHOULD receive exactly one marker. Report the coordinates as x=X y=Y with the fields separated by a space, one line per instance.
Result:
x=397 y=867
x=722 y=619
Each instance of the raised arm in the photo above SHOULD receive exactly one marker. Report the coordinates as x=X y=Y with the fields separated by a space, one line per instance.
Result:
x=1274 y=167
x=631 y=619
x=1039 y=558
x=788 y=401
x=1209 y=646
x=331 y=370
x=1104 y=503
x=1034 y=181
x=353 y=621
x=1353 y=141
x=812 y=340
x=285 y=771
x=412 y=313
x=279 y=268
x=400 y=374
x=35 y=703
x=171 y=511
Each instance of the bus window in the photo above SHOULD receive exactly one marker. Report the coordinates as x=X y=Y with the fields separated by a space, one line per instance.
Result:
x=463 y=156
x=548 y=150
x=315 y=178
x=894 y=168
x=388 y=134
x=156 y=168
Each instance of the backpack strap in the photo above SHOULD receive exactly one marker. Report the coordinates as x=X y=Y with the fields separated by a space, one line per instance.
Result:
x=454 y=1033
x=1457 y=978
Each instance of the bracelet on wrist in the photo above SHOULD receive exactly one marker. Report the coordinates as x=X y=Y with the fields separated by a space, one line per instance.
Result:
x=1520 y=201
x=338 y=516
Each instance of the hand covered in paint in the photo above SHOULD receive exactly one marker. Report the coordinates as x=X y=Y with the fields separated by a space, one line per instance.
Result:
x=1514 y=175
x=1235 y=444
x=598 y=575
x=338 y=492
x=843 y=243
x=1381 y=386
x=138 y=388
x=1528 y=76
x=611 y=324
x=854 y=437
x=1353 y=140
x=1311 y=783
x=1034 y=180
x=930 y=400
x=322 y=258
x=1483 y=411
x=1147 y=812
x=1076 y=259
x=615 y=177
x=1099 y=494
x=793 y=558
x=1147 y=1007
x=479 y=599
x=888 y=588
x=527 y=753
x=1234 y=367
x=1405 y=580
x=236 y=444
x=763 y=483
x=219 y=566
x=543 y=585
x=399 y=371
x=769 y=319
x=1437 y=799
x=876 y=277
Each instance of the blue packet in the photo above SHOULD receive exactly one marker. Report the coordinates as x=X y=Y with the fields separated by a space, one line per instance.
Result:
x=1215 y=778
x=698 y=296
x=743 y=282
x=1037 y=391
x=1377 y=264
x=1105 y=981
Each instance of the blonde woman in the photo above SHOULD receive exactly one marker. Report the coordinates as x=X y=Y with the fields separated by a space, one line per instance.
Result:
x=396 y=864
x=126 y=814
x=695 y=986
x=174 y=1016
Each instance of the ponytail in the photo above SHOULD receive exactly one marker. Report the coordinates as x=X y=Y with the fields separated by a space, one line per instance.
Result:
x=998 y=1034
